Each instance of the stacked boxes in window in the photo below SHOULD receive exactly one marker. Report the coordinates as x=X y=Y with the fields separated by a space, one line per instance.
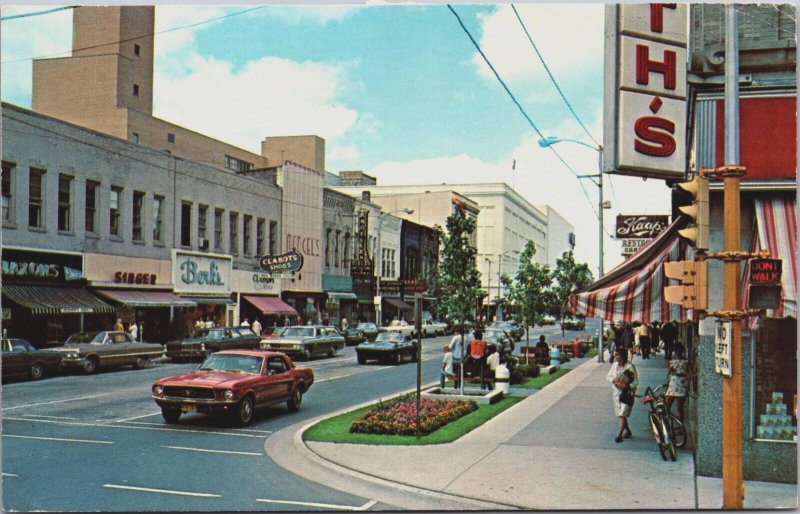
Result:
x=776 y=424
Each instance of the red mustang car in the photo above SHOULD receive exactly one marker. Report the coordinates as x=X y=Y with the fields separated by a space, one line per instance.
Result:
x=234 y=382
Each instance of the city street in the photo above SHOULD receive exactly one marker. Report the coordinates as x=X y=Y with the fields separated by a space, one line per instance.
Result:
x=99 y=442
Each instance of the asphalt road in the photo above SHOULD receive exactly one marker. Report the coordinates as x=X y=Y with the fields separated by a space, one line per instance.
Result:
x=99 y=443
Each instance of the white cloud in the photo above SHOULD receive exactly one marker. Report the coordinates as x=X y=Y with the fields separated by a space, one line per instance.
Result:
x=270 y=96
x=566 y=52
x=44 y=36
x=542 y=179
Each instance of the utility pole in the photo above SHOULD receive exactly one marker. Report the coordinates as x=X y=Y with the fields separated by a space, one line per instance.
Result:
x=732 y=480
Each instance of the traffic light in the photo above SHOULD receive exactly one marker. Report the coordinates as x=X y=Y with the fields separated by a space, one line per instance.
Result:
x=697 y=234
x=693 y=291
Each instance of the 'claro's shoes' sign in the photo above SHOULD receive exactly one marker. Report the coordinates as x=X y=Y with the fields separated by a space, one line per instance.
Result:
x=283 y=265
x=201 y=273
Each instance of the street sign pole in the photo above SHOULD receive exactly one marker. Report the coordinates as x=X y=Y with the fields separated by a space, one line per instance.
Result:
x=418 y=325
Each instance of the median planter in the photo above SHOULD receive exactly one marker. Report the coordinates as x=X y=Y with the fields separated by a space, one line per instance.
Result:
x=399 y=416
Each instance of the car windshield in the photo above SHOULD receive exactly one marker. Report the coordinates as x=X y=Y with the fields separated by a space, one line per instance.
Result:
x=244 y=331
x=365 y=326
x=397 y=323
x=210 y=334
x=492 y=335
x=232 y=362
x=85 y=337
x=390 y=336
x=298 y=332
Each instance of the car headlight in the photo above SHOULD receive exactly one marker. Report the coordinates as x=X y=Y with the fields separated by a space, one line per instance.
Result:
x=73 y=355
x=228 y=394
x=297 y=346
x=158 y=390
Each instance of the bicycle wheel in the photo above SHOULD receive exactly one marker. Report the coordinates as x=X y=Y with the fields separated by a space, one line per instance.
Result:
x=654 y=426
x=667 y=440
x=678 y=432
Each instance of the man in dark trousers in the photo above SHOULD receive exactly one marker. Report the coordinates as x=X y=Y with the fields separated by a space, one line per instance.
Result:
x=669 y=332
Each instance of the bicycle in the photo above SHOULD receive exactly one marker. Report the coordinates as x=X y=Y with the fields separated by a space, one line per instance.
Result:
x=668 y=431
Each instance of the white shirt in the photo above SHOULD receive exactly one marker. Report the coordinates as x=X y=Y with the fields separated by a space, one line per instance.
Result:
x=455 y=346
x=256 y=327
x=447 y=363
x=493 y=360
x=134 y=331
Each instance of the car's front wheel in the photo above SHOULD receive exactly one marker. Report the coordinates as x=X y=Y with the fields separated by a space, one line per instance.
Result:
x=140 y=363
x=37 y=371
x=294 y=401
x=361 y=359
x=244 y=412
x=171 y=416
x=306 y=354
x=89 y=365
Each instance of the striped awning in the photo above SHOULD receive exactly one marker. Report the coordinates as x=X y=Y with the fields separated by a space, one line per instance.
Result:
x=634 y=290
x=146 y=298
x=776 y=231
x=55 y=299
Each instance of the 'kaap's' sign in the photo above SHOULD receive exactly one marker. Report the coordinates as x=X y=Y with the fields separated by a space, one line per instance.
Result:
x=640 y=226
x=645 y=96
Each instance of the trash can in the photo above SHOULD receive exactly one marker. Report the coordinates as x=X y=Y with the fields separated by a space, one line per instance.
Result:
x=502 y=378
x=576 y=349
x=555 y=356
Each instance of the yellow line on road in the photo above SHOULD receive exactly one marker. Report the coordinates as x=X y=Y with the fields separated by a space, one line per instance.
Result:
x=162 y=491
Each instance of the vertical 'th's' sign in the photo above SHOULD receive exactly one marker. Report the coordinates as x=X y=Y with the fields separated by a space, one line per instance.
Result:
x=646 y=89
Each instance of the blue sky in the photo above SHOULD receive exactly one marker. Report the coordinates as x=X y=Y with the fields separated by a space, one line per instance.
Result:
x=397 y=91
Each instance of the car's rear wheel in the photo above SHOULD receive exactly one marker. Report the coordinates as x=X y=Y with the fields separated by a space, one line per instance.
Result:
x=397 y=358
x=294 y=401
x=89 y=365
x=414 y=355
x=361 y=359
x=332 y=351
x=171 y=416
x=306 y=354
x=244 y=412
x=140 y=363
x=37 y=371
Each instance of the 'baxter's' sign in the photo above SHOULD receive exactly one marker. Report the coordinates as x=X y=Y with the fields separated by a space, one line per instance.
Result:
x=201 y=273
x=645 y=97
x=288 y=262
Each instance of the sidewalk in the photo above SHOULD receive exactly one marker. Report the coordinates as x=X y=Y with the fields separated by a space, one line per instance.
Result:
x=555 y=450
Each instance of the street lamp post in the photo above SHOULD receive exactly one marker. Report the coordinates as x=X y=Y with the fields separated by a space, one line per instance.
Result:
x=548 y=141
x=488 y=286
x=379 y=263
x=500 y=257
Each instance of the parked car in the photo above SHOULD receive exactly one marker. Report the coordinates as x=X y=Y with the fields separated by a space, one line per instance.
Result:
x=211 y=340
x=401 y=326
x=305 y=341
x=573 y=323
x=91 y=350
x=233 y=382
x=511 y=326
x=548 y=319
x=500 y=338
x=370 y=330
x=431 y=328
x=388 y=347
x=22 y=360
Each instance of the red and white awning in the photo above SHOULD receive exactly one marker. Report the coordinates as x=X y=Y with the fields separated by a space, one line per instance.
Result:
x=634 y=290
x=776 y=231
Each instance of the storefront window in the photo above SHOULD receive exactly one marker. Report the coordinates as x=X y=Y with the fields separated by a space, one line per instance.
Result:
x=776 y=380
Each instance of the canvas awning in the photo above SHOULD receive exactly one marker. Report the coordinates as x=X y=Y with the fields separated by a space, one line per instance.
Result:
x=146 y=298
x=342 y=295
x=634 y=290
x=210 y=300
x=56 y=299
x=776 y=231
x=271 y=305
x=398 y=304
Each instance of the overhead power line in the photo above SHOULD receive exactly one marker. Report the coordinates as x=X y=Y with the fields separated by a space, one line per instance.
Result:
x=173 y=29
x=519 y=106
x=552 y=78
x=37 y=13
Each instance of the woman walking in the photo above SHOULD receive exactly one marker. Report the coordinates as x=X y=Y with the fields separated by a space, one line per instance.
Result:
x=624 y=379
x=676 y=391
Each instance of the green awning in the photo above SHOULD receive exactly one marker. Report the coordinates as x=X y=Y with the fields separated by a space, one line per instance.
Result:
x=56 y=299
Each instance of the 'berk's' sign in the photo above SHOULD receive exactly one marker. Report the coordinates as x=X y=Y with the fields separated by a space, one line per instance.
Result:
x=645 y=95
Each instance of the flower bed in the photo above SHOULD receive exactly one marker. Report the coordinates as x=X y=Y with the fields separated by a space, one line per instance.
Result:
x=399 y=416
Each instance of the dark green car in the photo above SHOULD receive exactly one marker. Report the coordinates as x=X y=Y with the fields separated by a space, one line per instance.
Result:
x=305 y=341
x=391 y=347
x=212 y=340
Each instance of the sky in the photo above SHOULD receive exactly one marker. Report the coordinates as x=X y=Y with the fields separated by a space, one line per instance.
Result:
x=398 y=91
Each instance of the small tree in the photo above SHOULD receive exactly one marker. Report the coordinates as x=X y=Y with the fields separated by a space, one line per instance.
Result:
x=458 y=279
x=569 y=277
x=530 y=290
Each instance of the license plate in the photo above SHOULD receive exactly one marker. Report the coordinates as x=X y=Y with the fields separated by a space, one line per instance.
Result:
x=188 y=408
